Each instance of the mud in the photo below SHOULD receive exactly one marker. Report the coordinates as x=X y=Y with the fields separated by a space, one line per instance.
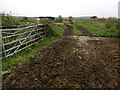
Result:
x=83 y=30
x=71 y=62
x=68 y=30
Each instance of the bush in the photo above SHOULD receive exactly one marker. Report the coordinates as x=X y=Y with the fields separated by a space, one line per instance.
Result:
x=118 y=24
x=108 y=25
x=8 y=20
x=70 y=19
x=54 y=30
x=44 y=21
x=59 y=19
x=94 y=17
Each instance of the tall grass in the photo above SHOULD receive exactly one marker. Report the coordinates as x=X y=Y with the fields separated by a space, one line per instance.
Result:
x=101 y=27
x=106 y=22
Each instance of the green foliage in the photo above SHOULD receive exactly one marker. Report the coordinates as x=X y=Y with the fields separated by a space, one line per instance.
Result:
x=106 y=22
x=26 y=21
x=76 y=31
x=94 y=17
x=118 y=27
x=118 y=24
x=98 y=30
x=8 y=20
x=25 y=18
x=70 y=19
x=110 y=23
x=44 y=21
x=23 y=57
x=56 y=30
x=59 y=19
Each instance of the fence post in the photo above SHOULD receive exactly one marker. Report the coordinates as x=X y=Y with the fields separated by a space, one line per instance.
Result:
x=0 y=54
x=2 y=47
x=45 y=30
x=37 y=34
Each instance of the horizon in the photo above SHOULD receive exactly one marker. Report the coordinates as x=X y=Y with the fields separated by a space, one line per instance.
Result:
x=62 y=16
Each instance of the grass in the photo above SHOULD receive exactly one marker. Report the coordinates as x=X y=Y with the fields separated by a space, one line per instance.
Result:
x=57 y=30
x=24 y=56
x=98 y=30
x=76 y=31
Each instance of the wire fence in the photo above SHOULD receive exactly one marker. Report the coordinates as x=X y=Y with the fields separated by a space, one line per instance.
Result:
x=18 y=39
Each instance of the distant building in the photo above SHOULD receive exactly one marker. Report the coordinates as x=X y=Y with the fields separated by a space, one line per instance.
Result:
x=50 y=18
x=84 y=17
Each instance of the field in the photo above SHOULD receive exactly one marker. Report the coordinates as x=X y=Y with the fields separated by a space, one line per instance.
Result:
x=54 y=61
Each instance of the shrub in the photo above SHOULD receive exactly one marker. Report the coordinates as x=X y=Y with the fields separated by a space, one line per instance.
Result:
x=118 y=24
x=54 y=30
x=44 y=21
x=108 y=25
x=94 y=17
x=59 y=19
x=70 y=19
x=8 y=20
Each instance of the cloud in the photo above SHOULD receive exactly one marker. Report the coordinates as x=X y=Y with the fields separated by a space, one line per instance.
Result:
x=102 y=8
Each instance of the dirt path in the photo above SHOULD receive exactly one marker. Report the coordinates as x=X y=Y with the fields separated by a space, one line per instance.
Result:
x=68 y=31
x=85 y=31
x=71 y=62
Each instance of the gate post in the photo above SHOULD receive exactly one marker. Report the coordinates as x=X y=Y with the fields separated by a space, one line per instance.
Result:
x=1 y=53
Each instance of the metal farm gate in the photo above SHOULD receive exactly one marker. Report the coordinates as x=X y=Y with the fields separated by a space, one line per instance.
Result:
x=15 y=40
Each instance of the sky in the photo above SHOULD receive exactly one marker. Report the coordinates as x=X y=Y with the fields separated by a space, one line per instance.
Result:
x=65 y=8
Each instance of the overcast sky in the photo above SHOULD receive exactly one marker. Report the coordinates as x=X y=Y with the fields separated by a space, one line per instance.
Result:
x=100 y=8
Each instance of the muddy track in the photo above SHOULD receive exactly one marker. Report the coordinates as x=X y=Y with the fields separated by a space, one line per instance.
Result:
x=68 y=30
x=85 y=31
x=71 y=62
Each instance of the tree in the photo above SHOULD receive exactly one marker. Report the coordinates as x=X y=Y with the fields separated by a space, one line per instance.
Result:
x=25 y=19
x=44 y=20
x=8 y=20
x=59 y=19
x=70 y=19
x=94 y=17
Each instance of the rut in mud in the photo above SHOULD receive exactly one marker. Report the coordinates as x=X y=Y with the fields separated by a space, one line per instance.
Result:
x=68 y=30
x=71 y=62
x=85 y=31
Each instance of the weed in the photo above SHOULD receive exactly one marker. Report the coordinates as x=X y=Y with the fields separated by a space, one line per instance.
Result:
x=98 y=30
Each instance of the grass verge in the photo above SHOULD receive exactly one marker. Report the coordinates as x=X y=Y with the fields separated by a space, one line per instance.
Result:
x=76 y=31
x=98 y=30
x=23 y=57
